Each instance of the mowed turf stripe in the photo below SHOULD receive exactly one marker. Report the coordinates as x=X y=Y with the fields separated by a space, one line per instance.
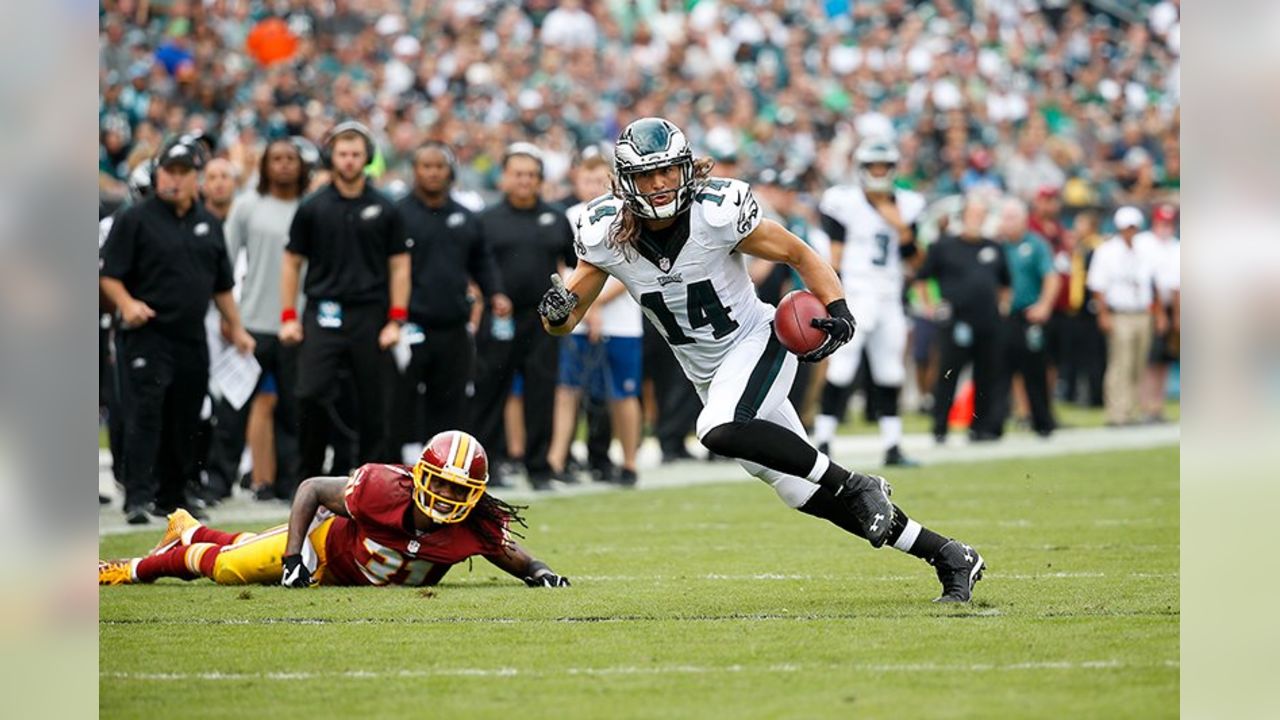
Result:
x=973 y=611
x=633 y=670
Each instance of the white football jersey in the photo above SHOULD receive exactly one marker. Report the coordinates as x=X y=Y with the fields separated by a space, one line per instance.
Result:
x=702 y=300
x=870 y=261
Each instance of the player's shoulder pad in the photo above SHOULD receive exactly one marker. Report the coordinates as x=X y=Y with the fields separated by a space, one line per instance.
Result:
x=837 y=199
x=595 y=219
x=723 y=200
x=591 y=229
x=910 y=204
x=375 y=486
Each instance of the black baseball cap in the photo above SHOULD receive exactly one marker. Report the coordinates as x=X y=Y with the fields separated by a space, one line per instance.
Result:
x=181 y=151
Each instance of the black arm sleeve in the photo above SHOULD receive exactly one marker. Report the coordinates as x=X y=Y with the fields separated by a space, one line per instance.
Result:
x=481 y=263
x=833 y=228
x=398 y=240
x=118 y=251
x=929 y=268
x=567 y=252
x=911 y=249
x=300 y=232
x=224 y=279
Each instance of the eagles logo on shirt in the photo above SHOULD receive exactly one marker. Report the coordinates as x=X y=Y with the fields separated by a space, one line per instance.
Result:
x=748 y=214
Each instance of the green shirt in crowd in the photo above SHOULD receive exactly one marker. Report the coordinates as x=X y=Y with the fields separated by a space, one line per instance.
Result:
x=1030 y=262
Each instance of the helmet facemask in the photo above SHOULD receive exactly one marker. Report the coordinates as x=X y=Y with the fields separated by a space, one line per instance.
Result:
x=453 y=507
x=876 y=151
x=873 y=183
x=642 y=203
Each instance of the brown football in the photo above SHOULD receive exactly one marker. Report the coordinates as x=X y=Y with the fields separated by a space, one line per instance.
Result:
x=791 y=323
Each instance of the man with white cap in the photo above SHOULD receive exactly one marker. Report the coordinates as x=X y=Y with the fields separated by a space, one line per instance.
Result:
x=1122 y=280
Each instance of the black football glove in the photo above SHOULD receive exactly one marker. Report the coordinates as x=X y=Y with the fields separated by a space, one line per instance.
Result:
x=546 y=578
x=296 y=574
x=839 y=329
x=558 y=302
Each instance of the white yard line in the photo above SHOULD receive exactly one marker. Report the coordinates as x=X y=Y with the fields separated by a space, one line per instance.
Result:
x=624 y=670
x=859 y=451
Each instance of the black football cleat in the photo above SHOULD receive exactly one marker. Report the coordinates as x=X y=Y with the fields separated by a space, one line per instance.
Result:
x=894 y=458
x=867 y=498
x=959 y=569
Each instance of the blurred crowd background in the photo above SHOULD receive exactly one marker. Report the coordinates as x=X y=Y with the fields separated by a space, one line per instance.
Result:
x=1082 y=96
x=1070 y=106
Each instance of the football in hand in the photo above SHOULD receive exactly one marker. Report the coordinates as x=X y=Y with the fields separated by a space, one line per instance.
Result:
x=791 y=322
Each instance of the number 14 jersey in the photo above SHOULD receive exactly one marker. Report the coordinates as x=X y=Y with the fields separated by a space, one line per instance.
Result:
x=695 y=291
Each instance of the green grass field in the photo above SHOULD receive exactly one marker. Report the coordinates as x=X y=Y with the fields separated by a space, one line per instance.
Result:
x=709 y=601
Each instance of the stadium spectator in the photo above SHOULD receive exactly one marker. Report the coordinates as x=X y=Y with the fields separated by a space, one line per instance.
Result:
x=259 y=228
x=531 y=240
x=222 y=436
x=356 y=251
x=600 y=360
x=1166 y=346
x=1122 y=279
x=973 y=280
x=218 y=187
x=448 y=253
x=1034 y=290
x=162 y=263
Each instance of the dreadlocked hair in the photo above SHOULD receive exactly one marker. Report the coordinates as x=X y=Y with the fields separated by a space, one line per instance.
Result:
x=490 y=515
x=626 y=231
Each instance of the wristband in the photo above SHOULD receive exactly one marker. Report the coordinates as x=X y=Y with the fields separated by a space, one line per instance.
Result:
x=398 y=314
x=288 y=315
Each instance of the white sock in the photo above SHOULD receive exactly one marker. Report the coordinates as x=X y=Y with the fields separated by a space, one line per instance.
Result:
x=819 y=468
x=133 y=569
x=824 y=429
x=890 y=430
x=907 y=539
x=188 y=533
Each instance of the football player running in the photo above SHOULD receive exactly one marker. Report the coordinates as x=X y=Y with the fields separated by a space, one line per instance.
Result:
x=383 y=525
x=677 y=239
x=871 y=229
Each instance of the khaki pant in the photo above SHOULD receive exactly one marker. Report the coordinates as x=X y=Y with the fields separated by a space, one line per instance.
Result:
x=1128 y=344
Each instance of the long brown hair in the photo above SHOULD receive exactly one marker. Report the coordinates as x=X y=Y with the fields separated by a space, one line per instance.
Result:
x=304 y=169
x=626 y=231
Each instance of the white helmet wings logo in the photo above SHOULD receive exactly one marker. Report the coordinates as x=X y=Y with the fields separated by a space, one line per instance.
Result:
x=650 y=144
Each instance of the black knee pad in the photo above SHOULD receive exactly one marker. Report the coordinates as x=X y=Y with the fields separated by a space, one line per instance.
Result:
x=722 y=439
x=835 y=399
x=887 y=399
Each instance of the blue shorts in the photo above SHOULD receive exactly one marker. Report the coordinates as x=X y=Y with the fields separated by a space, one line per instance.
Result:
x=517 y=384
x=609 y=369
x=267 y=384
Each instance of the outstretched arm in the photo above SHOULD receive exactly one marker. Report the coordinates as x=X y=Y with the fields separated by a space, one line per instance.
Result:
x=585 y=283
x=517 y=562
x=773 y=242
x=312 y=493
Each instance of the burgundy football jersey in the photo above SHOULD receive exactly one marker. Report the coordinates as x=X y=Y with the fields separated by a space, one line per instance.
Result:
x=377 y=545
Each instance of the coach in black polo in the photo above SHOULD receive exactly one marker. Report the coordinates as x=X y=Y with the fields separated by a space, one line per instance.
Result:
x=530 y=239
x=162 y=263
x=357 y=253
x=448 y=251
